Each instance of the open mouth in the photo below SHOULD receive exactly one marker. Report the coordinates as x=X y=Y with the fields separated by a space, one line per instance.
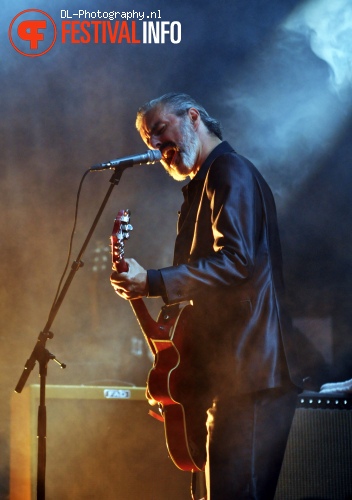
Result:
x=169 y=153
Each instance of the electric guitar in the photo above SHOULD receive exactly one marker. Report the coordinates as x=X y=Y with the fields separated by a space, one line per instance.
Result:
x=172 y=382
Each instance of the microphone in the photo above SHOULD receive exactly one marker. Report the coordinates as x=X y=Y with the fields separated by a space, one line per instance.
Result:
x=151 y=156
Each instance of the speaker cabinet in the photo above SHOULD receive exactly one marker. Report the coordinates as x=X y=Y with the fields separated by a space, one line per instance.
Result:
x=318 y=459
x=101 y=445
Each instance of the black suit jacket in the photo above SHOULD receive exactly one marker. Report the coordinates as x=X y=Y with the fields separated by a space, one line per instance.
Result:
x=228 y=263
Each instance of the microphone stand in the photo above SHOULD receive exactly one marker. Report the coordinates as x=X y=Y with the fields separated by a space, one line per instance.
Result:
x=43 y=356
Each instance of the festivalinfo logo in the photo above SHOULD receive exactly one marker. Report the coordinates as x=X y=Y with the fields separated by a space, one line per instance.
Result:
x=33 y=32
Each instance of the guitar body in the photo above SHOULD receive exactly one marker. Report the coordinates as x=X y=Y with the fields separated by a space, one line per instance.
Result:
x=173 y=382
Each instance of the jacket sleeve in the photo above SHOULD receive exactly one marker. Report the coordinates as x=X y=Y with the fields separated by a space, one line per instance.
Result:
x=232 y=202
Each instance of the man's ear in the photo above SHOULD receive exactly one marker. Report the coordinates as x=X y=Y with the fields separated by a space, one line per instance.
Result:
x=194 y=115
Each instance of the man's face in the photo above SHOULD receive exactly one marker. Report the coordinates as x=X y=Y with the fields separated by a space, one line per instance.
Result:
x=175 y=137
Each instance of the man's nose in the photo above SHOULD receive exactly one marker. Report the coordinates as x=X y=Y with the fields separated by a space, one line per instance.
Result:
x=155 y=142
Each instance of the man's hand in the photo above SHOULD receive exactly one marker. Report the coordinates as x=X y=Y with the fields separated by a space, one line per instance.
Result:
x=132 y=284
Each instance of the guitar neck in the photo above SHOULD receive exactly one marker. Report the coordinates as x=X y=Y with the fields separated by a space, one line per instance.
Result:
x=148 y=325
x=150 y=328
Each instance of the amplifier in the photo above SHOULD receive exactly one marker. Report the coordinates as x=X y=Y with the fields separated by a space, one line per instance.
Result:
x=318 y=458
x=101 y=444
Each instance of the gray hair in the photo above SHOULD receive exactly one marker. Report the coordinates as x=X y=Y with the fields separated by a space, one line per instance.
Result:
x=179 y=104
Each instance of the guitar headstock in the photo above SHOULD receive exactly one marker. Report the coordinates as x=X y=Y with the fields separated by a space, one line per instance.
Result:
x=120 y=233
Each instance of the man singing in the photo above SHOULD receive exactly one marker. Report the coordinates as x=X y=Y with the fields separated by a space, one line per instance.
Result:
x=227 y=262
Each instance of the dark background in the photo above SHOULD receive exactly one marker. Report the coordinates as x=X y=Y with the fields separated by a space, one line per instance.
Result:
x=278 y=76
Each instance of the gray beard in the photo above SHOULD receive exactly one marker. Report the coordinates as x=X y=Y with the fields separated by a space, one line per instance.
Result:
x=188 y=146
x=187 y=152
